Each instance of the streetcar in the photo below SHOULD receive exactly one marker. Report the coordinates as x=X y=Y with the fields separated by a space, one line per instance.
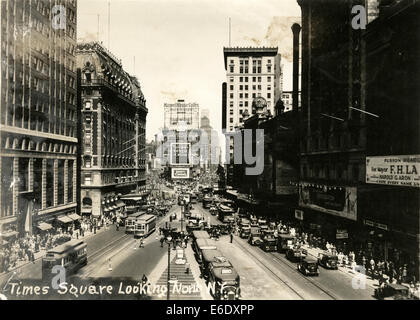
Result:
x=130 y=222
x=71 y=255
x=144 y=225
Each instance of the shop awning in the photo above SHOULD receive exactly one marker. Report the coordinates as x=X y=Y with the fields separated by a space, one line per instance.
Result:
x=74 y=216
x=113 y=207
x=64 y=219
x=232 y=192
x=9 y=234
x=86 y=210
x=43 y=226
x=106 y=209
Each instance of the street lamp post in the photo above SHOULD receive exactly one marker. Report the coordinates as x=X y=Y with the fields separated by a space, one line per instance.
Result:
x=168 y=240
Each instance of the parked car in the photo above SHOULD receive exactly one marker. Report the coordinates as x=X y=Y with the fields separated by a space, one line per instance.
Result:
x=393 y=291
x=308 y=266
x=255 y=237
x=328 y=260
x=296 y=254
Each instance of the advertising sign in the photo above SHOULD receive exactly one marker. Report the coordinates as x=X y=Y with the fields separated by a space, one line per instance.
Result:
x=342 y=234
x=178 y=173
x=394 y=170
x=339 y=201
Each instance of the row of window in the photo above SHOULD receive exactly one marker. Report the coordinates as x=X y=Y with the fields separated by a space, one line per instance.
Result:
x=254 y=95
x=245 y=69
x=246 y=87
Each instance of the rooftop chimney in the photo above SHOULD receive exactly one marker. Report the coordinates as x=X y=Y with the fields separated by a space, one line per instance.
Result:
x=295 y=97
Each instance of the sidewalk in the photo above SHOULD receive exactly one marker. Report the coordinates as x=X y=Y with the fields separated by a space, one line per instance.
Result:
x=38 y=255
x=346 y=270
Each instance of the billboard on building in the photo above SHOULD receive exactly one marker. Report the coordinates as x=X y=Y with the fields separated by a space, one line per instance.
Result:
x=339 y=201
x=180 y=173
x=394 y=170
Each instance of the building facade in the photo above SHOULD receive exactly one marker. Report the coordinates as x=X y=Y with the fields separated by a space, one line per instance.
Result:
x=113 y=132
x=358 y=108
x=38 y=111
x=287 y=98
x=178 y=140
x=250 y=73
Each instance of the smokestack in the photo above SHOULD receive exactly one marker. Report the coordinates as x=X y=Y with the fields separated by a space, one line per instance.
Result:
x=296 y=30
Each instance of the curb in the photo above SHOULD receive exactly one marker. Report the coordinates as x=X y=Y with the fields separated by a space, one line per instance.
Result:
x=346 y=272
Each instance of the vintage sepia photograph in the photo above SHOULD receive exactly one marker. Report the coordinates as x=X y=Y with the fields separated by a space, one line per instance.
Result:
x=180 y=150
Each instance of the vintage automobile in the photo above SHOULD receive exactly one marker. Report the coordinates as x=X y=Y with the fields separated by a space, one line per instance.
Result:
x=269 y=242
x=328 y=260
x=254 y=222
x=393 y=291
x=255 y=238
x=296 y=253
x=213 y=210
x=193 y=225
x=224 y=279
x=285 y=242
x=308 y=266
x=244 y=229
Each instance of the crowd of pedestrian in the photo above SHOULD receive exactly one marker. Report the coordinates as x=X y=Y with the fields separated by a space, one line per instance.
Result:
x=23 y=249
x=378 y=268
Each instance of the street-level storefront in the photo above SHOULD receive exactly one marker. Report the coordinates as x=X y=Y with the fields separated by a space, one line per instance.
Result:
x=330 y=212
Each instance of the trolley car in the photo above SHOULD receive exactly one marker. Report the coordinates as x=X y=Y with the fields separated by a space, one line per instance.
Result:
x=71 y=255
x=130 y=222
x=144 y=225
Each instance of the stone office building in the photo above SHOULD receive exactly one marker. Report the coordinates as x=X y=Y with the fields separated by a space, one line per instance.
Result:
x=113 y=132
x=38 y=118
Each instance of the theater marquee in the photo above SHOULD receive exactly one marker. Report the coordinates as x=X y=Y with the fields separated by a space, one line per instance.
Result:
x=394 y=170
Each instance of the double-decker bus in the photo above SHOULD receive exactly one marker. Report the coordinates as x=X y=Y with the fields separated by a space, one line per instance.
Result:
x=130 y=221
x=71 y=255
x=144 y=225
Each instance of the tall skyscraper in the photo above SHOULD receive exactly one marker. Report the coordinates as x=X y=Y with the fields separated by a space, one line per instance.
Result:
x=251 y=73
x=38 y=123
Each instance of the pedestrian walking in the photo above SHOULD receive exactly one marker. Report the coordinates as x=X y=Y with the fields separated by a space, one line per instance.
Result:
x=231 y=237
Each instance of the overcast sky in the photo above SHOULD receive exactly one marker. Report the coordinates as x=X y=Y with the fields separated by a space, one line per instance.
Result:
x=178 y=44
